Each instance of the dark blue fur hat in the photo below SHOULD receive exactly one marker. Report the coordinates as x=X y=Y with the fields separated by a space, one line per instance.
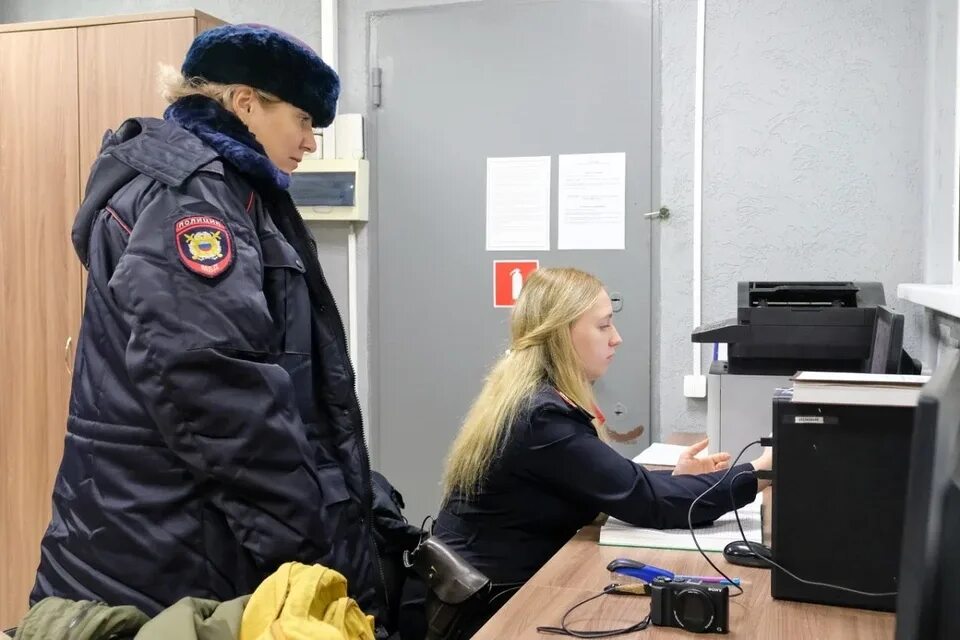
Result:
x=269 y=60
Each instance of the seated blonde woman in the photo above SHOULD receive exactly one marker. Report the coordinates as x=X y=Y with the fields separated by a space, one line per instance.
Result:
x=529 y=468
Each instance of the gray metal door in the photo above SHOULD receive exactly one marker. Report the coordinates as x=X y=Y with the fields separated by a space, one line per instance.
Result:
x=462 y=83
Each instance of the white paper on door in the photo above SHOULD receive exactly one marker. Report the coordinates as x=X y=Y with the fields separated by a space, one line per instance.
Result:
x=591 y=200
x=518 y=204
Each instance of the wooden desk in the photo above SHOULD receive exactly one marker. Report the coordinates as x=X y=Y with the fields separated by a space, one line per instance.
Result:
x=578 y=571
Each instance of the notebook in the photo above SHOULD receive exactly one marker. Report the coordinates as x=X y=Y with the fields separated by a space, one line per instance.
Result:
x=616 y=533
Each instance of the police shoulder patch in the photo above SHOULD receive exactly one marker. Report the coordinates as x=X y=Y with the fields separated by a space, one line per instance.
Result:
x=204 y=245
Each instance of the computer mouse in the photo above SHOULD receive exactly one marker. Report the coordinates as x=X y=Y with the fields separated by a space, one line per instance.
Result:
x=738 y=552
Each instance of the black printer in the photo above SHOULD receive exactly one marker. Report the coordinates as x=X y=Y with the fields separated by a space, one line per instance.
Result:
x=785 y=327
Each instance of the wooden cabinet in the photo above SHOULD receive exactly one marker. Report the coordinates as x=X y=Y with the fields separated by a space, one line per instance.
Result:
x=39 y=288
x=62 y=84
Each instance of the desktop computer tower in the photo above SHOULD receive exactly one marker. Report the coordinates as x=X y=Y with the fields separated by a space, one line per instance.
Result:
x=839 y=488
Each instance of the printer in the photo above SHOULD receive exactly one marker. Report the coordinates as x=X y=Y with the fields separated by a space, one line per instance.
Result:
x=785 y=327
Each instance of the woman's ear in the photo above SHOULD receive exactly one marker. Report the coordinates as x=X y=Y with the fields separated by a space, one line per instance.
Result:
x=242 y=102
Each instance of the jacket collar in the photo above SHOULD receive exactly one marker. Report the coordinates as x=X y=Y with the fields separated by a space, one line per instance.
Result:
x=228 y=136
x=548 y=395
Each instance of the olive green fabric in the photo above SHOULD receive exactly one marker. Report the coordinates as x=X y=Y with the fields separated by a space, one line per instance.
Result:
x=197 y=619
x=79 y=620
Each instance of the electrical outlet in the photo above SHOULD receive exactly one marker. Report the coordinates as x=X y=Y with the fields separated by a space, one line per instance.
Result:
x=695 y=386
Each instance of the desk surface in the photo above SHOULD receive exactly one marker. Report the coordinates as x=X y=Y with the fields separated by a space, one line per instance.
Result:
x=578 y=571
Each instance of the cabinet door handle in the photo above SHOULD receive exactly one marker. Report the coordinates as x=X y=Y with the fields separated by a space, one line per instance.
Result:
x=66 y=355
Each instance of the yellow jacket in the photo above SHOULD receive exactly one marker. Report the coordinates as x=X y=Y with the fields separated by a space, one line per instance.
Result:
x=300 y=602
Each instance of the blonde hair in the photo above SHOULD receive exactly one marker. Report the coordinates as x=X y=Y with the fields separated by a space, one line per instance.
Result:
x=541 y=349
x=173 y=86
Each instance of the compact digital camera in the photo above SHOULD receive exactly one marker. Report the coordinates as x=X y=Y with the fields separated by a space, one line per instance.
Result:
x=700 y=608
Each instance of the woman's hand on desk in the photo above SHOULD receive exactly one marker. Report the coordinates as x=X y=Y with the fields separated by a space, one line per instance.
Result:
x=689 y=464
x=763 y=463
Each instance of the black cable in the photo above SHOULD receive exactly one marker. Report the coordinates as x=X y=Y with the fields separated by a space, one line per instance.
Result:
x=643 y=624
x=812 y=583
x=736 y=514
x=750 y=544
x=697 y=499
x=500 y=594
x=564 y=630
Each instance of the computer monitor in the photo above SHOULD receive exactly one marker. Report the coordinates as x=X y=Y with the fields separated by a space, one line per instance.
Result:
x=887 y=342
x=949 y=556
x=928 y=598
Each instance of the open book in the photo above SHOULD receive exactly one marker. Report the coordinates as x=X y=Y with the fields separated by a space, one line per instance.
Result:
x=857 y=388
x=715 y=537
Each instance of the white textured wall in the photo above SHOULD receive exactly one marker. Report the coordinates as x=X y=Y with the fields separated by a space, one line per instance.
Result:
x=813 y=158
x=940 y=132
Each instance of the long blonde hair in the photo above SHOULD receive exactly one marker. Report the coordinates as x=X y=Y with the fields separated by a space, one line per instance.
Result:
x=541 y=349
x=173 y=86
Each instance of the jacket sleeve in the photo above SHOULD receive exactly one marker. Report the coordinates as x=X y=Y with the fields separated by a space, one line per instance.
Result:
x=197 y=353
x=568 y=456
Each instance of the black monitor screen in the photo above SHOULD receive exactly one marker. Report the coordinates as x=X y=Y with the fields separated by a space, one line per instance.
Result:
x=887 y=342
x=928 y=558
x=948 y=625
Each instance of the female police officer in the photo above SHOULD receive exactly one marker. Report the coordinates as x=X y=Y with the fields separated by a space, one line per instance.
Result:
x=528 y=467
x=214 y=431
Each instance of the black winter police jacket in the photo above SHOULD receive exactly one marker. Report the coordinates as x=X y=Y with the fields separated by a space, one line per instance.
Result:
x=555 y=475
x=214 y=430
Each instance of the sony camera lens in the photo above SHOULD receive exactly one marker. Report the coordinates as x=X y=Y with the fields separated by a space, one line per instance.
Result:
x=693 y=610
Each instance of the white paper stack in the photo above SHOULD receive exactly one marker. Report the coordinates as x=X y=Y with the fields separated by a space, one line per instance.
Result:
x=715 y=537
x=663 y=455
x=818 y=387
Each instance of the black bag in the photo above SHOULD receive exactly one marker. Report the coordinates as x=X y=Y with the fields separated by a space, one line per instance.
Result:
x=457 y=591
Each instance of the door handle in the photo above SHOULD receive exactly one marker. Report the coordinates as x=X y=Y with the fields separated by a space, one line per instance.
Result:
x=660 y=214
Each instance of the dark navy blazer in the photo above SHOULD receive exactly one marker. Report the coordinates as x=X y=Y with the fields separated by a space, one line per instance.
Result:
x=556 y=475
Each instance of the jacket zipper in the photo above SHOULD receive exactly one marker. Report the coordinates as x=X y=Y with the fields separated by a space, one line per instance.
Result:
x=358 y=433
x=358 y=429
